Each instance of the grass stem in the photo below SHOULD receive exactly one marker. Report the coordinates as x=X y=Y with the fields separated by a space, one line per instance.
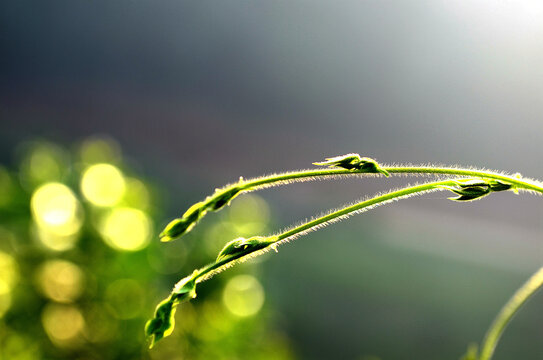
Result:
x=180 y=226
x=521 y=296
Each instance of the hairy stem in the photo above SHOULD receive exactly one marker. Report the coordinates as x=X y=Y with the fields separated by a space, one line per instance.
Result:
x=521 y=296
x=468 y=184
x=222 y=197
x=241 y=249
x=211 y=269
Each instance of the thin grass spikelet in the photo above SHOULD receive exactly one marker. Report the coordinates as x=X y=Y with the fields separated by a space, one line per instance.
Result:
x=354 y=162
x=469 y=184
x=470 y=190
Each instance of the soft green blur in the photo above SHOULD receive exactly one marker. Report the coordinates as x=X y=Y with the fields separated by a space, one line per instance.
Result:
x=81 y=268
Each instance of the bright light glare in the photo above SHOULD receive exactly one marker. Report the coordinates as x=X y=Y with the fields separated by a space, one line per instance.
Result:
x=243 y=295
x=126 y=229
x=103 y=185
x=61 y=280
x=56 y=209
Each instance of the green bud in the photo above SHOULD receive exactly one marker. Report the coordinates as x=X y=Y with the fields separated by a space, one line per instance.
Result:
x=496 y=185
x=355 y=163
x=184 y=224
x=242 y=246
x=474 y=189
x=163 y=323
x=468 y=197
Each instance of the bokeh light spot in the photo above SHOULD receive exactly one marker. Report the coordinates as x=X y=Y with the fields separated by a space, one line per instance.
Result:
x=63 y=324
x=243 y=295
x=217 y=235
x=126 y=229
x=99 y=150
x=56 y=209
x=125 y=296
x=9 y=272
x=103 y=185
x=249 y=214
x=43 y=162
x=15 y=346
x=54 y=241
x=215 y=321
x=61 y=280
x=136 y=194
x=44 y=166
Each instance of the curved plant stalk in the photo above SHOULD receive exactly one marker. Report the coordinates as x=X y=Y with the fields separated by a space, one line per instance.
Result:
x=345 y=165
x=521 y=296
x=241 y=249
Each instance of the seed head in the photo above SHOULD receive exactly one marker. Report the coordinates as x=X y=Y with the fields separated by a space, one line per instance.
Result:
x=354 y=163
x=241 y=246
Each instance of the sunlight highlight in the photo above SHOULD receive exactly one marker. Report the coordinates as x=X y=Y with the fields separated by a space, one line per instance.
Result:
x=64 y=324
x=126 y=229
x=58 y=214
x=60 y=280
x=243 y=295
x=249 y=215
x=103 y=185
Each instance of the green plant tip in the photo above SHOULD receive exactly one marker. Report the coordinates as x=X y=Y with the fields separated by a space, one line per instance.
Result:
x=163 y=323
x=475 y=189
x=242 y=246
x=354 y=163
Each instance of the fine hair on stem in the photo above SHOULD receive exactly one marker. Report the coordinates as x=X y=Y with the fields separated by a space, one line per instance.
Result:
x=467 y=184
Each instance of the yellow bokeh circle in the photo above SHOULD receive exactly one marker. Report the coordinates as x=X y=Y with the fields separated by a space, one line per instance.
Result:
x=9 y=272
x=126 y=229
x=243 y=295
x=103 y=185
x=61 y=280
x=64 y=324
x=56 y=209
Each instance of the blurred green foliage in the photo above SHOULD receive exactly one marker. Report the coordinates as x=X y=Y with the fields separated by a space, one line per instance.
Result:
x=81 y=271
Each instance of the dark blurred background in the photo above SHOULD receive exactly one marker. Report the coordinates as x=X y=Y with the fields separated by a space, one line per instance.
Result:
x=197 y=94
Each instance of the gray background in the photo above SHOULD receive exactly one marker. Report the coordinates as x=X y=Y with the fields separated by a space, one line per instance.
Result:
x=199 y=93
